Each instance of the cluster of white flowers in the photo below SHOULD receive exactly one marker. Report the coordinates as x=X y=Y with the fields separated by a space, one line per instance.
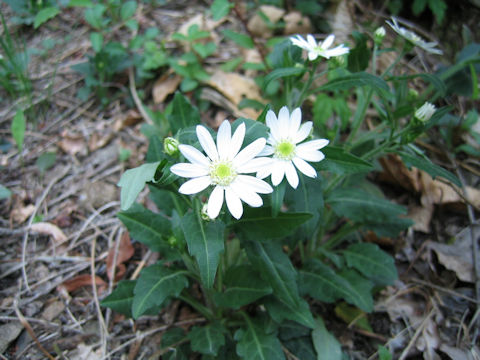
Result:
x=225 y=166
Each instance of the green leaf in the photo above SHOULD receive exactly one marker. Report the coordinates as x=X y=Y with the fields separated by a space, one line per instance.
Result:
x=372 y=262
x=275 y=268
x=322 y=283
x=278 y=195
x=81 y=3
x=258 y=223
x=207 y=339
x=426 y=165
x=46 y=161
x=128 y=10
x=18 y=129
x=254 y=129
x=281 y=73
x=205 y=242
x=220 y=9
x=133 y=181
x=383 y=353
x=359 y=56
x=243 y=285
x=353 y=316
x=438 y=8
x=327 y=347
x=297 y=339
x=355 y=80
x=4 y=192
x=183 y=114
x=205 y=50
x=418 y=6
x=240 y=39
x=121 y=299
x=155 y=284
x=44 y=15
x=94 y=16
x=340 y=162
x=253 y=343
x=279 y=311
x=96 y=39
x=147 y=227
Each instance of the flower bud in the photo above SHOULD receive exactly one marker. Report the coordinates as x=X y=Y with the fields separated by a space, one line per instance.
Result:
x=412 y=95
x=378 y=35
x=425 y=112
x=170 y=146
x=204 y=213
x=172 y=241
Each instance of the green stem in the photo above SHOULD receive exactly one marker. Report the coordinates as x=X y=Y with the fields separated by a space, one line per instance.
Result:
x=340 y=235
x=306 y=86
x=190 y=300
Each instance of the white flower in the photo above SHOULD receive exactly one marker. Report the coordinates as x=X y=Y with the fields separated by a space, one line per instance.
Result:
x=321 y=49
x=414 y=38
x=223 y=167
x=284 y=143
x=425 y=112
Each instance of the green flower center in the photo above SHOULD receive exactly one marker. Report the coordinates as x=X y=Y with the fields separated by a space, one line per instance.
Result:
x=285 y=150
x=222 y=173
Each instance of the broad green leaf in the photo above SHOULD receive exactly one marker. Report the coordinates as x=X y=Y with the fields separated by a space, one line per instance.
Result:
x=4 y=192
x=45 y=15
x=438 y=8
x=155 y=150
x=96 y=39
x=238 y=38
x=147 y=227
x=258 y=223
x=220 y=8
x=155 y=284
x=94 y=16
x=353 y=316
x=207 y=339
x=254 y=129
x=372 y=262
x=133 y=181
x=327 y=347
x=18 y=129
x=81 y=3
x=128 y=9
x=275 y=268
x=205 y=242
x=205 y=50
x=359 y=56
x=173 y=340
x=279 y=311
x=355 y=80
x=121 y=299
x=46 y=161
x=418 y=6
x=281 y=73
x=183 y=114
x=253 y=343
x=340 y=162
x=426 y=165
x=383 y=353
x=297 y=339
x=322 y=283
x=433 y=79
x=243 y=285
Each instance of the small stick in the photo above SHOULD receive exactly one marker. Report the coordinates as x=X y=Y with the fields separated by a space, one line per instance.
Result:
x=136 y=99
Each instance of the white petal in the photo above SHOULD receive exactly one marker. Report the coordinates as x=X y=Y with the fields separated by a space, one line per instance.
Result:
x=295 y=120
x=291 y=174
x=314 y=144
x=189 y=170
x=310 y=155
x=246 y=194
x=193 y=155
x=195 y=185
x=311 y=41
x=215 y=202
x=233 y=203
x=304 y=131
x=263 y=173
x=312 y=55
x=249 y=152
x=237 y=140
x=272 y=123
x=328 y=41
x=278 y=172
x=283 y=122
x=256 y=185
x=304 y=167
x=339 y=50
x=255 y=165
x=267 y=150
x=207 y=143
x=224 y=139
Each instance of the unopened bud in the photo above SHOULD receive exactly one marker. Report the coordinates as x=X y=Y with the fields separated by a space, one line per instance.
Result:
x=425 y=112
x=172 y=241
x=204 y=213
x=170 y=146
x=412 y=95
x=379 y=34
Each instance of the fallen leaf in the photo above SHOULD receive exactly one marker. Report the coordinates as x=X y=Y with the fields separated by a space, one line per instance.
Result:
x=53 y=310
x=421 y=215
x=81 y=281
x=46 y=228
x=100 y=193
x=296 y=23
x=8 y=333
x=86 y=352
x=21 y=213
x=459 y=354
x=258 y=27
x=123 y=120
x=124 y=253
x=72 y=143
x=164 y=86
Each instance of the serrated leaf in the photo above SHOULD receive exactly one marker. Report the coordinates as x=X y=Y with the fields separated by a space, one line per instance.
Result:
x=372 y=262
x=275 y=268
x=426 y=165
x=44 y=15
x=355 y=80
x=238 y=38
x=133 y=181
x=220 y=8
x=327 y=347
x=322 y=283
x=17 y=128
x=207 y=339
x=128 y=10
x=281 y=73
x=340 y=162
x=121 y=298
x=279 y=311
x=205 y=242
x=155 y=284
x=243 y=285
x=253 y=343
x=183 y=114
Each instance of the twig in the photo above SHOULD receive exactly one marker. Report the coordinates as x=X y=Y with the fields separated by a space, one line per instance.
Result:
x=415 y=336
x=141 y=265
x=136 y=99
x=448 y=291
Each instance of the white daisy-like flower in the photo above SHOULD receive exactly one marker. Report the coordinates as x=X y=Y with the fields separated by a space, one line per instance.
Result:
x=287 y=150
x=425 y=112
x=321 y=49
x=224 y=168
x=414 y=38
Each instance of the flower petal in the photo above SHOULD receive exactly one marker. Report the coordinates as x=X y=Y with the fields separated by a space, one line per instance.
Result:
x=291 y=173
x=249 y=152
x=339 y=50
x=278 y=172
x=304 y=167
x=224 y=139
x=312 y=43
x=195 y=185
x=233 y=203
x=328 y=42
x=303 y=132
x=257 y=185
x=215 y=202
x=295 y=120
x=310 y=155
x=283 y=122
x=314 y=144
x=267 y=150
x=272 y=123
x=246 y=194
x=189 y=170
x=312 y=55
x=207 y=143
x=255 y=165
x=237 y=141
x=193 y=155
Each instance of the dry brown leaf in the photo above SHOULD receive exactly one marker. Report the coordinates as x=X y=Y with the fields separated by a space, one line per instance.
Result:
x=21 y=213
x=100 y=193
x=86 y=352
x=99 y=139
x=53 y=310
x=81 y=281
x=165 y=86
x=131 y=117
x=258 y=27
x=72 y=143
x=124 y=253
x=296 y=23
x=46 y=228
x=421 y=215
